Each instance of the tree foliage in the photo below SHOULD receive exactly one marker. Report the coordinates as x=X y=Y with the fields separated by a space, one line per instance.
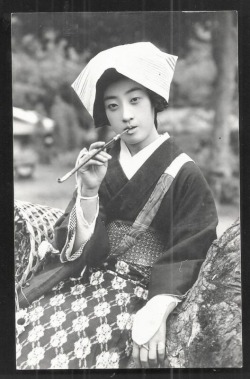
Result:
x=50 y=49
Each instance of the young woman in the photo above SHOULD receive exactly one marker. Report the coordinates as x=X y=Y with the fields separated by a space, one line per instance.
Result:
x=135 y=233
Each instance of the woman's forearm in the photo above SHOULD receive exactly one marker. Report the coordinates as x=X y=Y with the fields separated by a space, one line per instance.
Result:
x=89 y=207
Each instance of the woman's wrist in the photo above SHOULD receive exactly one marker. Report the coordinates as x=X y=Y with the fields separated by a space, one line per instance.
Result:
x=85 y=192
x=169 y=310
x=89 y=197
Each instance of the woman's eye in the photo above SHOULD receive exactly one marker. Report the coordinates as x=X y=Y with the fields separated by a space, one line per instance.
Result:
x=135 y=100
x=112 y=106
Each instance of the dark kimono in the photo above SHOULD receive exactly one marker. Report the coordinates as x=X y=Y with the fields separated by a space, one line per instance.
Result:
x=85 y=321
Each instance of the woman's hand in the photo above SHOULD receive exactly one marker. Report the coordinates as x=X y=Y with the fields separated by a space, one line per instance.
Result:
x=92 y=173
x=153 y=353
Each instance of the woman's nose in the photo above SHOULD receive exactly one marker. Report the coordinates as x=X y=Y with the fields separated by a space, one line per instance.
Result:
x=127 y=113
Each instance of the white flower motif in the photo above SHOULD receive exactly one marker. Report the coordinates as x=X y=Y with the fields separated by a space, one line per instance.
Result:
x=114 y=360
x=80 y=323
x=103 y=333
x=35 y=356
x=145 y=295
x=22 y=314
x=101 y=292
x=59 y=338
x=107 y=360
x=59 y=286
x=118 y=283
x=96 y=278
x=122 y=298
x=57 y=319
x=138 y=291
x=79 y=304
x=19 y=329
x=102 y=309
x=82 y=348
x=141 y=292
x=61 y=361
x=57 y=300
x=18 y=350
x=36 y=333
x=102 y=360
x=78 y=289
x=22 y=320
x=122 y=267
x=124 y=321
x=36 y=313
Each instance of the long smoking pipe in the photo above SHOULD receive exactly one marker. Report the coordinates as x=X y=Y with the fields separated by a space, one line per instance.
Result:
x=91 y=156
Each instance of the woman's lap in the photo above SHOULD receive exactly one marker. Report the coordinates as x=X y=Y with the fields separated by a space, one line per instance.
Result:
x=81 y=324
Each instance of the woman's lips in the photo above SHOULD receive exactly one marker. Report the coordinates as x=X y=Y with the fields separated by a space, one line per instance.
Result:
x=131 y=129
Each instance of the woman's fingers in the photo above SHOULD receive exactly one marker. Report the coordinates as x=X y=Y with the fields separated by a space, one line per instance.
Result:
x=84 y=153
x=149 y=356
x=102 y=157
x=144 y=356
x=96 y=145
x=99 y=159
x=152 y=355
x=161 y=350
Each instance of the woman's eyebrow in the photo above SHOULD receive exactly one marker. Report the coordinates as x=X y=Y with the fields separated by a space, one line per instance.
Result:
x=130 y=90
x=134 y=89
x=109 y=97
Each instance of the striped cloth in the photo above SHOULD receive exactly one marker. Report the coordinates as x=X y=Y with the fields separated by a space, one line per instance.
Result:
x=142 y=62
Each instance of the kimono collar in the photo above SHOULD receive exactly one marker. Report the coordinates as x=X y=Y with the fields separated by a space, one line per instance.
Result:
x=130 y=164
x=125 y=196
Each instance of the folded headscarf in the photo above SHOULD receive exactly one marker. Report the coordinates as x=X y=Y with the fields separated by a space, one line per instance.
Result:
x=142 y=62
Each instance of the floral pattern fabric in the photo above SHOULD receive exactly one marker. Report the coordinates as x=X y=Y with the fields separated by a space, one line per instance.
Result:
x=81 y=323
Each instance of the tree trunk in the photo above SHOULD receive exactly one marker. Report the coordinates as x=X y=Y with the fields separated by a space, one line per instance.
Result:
x=205 y=330
x=225 y=57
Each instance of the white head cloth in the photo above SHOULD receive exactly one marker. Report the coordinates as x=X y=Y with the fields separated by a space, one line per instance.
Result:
x=142 y=62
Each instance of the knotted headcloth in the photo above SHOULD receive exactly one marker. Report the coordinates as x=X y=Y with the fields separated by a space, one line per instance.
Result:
x=142 y=62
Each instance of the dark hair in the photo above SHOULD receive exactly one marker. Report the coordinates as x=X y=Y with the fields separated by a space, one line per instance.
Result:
x=111 y=76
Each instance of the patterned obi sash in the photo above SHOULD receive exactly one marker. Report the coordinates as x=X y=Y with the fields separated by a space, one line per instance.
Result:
x=145 y=250
x=138 y=244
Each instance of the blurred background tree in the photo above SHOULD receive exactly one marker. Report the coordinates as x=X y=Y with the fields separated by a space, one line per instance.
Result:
x=223 y=168
x=50 y=49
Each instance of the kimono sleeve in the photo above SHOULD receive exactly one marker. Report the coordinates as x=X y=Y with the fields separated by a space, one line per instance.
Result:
x=95 y=249
x=191 y=228
x=92 y=254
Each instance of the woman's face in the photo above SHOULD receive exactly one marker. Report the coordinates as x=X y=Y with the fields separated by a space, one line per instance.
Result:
x=127 y=104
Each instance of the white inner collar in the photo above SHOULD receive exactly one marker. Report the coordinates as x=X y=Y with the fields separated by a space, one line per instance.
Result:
x=130 y=164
